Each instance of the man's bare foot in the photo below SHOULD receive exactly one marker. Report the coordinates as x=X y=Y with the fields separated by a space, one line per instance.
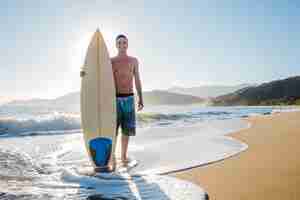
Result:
x=125 y=162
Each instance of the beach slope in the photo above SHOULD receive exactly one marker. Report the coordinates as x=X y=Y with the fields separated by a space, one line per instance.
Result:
x=268 y=169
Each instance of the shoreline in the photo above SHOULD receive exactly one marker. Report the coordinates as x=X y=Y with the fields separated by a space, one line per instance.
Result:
x=265 y=170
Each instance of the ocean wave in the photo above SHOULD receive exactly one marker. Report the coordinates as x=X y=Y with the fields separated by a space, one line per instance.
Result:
x=39 y=125
x=151 y=117
x=65 y=123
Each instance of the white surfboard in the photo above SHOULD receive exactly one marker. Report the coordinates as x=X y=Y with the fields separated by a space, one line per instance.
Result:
x=98 y=103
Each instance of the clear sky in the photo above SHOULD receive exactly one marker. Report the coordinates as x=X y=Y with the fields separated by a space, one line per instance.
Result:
x=178 y=43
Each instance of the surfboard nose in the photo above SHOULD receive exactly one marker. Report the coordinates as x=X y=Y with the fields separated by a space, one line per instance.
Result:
x=98 y=36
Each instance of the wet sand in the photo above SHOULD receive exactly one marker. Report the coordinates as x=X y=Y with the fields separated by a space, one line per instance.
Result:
x=268 y=169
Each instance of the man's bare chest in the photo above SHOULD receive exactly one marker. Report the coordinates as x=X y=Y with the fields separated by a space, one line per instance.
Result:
x=123 y=68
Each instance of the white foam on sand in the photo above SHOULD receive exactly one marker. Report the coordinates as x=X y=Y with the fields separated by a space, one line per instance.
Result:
x=279 y=109
x=65 y=183
x=168 y=150
x=124 y=186
x=158 y=150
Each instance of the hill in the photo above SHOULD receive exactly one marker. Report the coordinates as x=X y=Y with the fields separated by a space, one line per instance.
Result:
x=207 y=91
x=159 y=97
x=279 y=92
x=4 y=100
x=71 y=101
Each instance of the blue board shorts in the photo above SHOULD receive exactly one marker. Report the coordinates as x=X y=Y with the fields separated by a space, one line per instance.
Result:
x=126 y=114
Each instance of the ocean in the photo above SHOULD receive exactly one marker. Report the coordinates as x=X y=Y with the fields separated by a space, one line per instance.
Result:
x=41 y=151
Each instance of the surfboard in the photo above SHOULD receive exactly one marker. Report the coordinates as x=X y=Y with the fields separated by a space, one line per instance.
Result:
x=98 y=102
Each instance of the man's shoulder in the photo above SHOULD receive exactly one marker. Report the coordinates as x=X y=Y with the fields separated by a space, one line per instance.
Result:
x=133 y=59
x=130 y=59
x=113 y=58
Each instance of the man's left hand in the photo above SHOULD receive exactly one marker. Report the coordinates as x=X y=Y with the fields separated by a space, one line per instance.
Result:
x=140 y=105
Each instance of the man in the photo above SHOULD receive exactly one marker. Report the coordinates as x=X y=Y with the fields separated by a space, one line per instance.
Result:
x=126 y=70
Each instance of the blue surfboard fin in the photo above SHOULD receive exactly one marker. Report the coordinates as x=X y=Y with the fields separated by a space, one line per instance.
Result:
x=100 y=149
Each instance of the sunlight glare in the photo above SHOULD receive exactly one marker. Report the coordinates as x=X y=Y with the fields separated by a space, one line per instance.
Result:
x=80 y=47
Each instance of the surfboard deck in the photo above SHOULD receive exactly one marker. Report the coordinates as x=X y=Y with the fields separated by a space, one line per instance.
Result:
x=97 y=102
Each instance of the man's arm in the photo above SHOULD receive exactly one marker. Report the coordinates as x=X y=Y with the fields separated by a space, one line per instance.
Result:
x=138 y=84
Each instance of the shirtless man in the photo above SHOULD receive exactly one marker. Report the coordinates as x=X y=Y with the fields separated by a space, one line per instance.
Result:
x=125 y=70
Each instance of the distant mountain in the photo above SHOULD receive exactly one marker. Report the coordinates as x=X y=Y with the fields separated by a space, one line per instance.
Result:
x=157 y=97
x=71 y=102
x=285 y=91
x=207 y=91
x=4 y=100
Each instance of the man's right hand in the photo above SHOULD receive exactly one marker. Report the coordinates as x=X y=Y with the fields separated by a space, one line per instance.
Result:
x=82 y=73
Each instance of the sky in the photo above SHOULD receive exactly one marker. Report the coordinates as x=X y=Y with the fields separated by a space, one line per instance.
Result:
x=178 y=43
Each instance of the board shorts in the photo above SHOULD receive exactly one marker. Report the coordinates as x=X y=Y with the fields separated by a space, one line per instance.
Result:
x=126 y=114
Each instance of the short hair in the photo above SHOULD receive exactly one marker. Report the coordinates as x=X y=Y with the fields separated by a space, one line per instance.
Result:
x=121 y=36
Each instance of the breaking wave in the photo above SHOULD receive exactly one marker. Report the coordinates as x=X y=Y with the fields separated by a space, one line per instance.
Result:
x=64 y=123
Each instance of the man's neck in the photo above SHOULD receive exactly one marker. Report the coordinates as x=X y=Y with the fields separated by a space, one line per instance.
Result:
x=122 y=54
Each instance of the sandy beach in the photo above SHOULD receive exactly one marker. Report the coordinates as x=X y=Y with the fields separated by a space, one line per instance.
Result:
x=268 y=169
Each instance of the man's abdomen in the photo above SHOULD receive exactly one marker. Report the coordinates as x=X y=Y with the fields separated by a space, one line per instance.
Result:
x=124 y=85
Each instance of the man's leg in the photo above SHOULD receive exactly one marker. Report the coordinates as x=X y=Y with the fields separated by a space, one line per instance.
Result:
x=113 y=162
x=128 y=126
x=124 y=147
x=112 y=159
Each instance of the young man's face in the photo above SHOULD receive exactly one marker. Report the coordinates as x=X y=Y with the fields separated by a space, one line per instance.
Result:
x=122 y=44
